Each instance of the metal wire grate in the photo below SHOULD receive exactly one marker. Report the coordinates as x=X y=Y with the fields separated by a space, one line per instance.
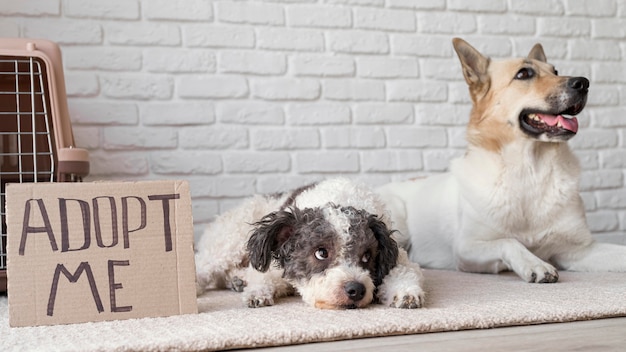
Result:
x=26 y=138
x=36 y=140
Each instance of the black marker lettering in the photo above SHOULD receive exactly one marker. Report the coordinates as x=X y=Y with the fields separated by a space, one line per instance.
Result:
x=84 y=266
x=26 y=228
x=125 y=230
x=115 y=286
x=165 y=198
x=65 y=235
x=96 y=222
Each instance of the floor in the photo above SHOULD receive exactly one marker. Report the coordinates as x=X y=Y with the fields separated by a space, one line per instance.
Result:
x=594 y=335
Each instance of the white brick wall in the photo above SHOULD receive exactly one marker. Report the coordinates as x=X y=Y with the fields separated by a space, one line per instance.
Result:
x=259 y=96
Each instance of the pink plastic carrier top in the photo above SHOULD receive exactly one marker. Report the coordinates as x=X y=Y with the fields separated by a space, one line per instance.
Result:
x=36 y=140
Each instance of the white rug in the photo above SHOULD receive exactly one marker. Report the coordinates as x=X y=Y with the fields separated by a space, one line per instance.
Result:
x=455 y=301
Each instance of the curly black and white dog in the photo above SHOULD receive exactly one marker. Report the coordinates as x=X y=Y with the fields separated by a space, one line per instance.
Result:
x=328 y=241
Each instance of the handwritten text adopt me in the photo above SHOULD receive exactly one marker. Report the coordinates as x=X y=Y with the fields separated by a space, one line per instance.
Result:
x=79 y=238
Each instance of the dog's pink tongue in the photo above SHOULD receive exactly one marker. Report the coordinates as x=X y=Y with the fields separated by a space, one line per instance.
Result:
x=568 y=124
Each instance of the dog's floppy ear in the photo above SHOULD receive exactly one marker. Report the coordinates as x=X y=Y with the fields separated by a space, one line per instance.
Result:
x=536 y=53
x=387 y=249
x=269 y=234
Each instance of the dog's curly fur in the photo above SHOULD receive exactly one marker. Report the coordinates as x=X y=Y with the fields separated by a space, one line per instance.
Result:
x=328 y=241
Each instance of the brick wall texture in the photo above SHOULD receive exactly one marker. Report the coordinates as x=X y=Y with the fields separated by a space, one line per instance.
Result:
x=241 y=97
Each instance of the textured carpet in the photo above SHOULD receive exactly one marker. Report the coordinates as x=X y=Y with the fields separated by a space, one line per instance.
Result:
x=455 y=301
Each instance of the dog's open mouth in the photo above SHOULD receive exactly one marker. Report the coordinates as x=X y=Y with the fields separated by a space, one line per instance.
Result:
x=562 y=124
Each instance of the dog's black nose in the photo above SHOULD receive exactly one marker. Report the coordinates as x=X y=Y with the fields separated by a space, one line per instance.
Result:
x=578 y=83
x=354 y=290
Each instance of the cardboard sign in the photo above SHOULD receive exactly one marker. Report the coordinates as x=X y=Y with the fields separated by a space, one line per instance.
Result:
x=81 y=252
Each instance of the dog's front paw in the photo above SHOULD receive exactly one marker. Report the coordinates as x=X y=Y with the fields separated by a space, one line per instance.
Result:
x=257 y=299
x=257 y=302
x=408 y=299
x=236 y=284
x=545 y=273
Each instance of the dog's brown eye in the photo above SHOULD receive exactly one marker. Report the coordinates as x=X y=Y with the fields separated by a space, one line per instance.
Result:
x=525 y=73
x=366 y=257
x=321 y=254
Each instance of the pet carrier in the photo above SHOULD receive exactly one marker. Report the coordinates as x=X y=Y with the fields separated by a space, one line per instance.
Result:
x=36 y=141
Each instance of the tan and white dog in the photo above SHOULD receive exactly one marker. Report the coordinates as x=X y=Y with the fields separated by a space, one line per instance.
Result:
x=512 y=201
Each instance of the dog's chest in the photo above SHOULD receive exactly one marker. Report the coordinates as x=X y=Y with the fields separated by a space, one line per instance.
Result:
x=528 y=198
x=523 y=196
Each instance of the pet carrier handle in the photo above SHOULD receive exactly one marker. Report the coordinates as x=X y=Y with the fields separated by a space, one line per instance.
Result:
x=73 y=163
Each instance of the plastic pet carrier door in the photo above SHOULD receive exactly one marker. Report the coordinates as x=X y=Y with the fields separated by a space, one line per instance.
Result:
x=36 y=140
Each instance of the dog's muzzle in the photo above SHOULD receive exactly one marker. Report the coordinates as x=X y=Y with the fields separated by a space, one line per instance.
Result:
x=560 y=123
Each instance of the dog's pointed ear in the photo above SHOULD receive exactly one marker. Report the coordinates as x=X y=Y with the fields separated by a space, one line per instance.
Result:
x=387 y=257
x=474 y=63
x=536 y=53
x=269 y=234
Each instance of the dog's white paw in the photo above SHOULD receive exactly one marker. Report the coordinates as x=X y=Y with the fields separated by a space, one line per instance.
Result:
x=257 y=302
x=542 y=273
x=258 y=298
x=411 y=298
